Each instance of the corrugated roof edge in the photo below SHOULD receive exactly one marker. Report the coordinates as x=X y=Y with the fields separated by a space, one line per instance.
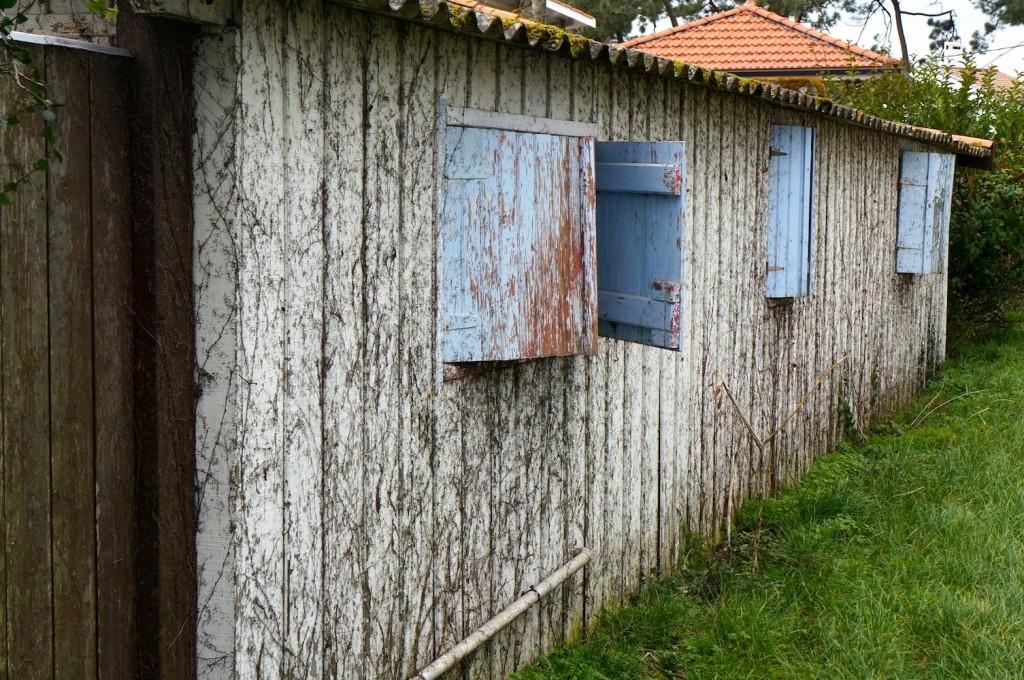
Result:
x=440 y=14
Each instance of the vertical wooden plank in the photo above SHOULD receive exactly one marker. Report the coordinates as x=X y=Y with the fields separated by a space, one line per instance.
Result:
x=747 y=172
x=161 y=123
x=761 y=391
x=710 y=481
x=542 y=97
x=215 y=275
x=72 y=461
x=481 y=440
x=728 y=286
x=631 y=92
x=741 y=312
x=4 y=640
x=383 y=474
x=517 y=472
x=569 y=101
x=511 y=87
x=580 y=435
x=450 y=578
x=302 y=127
x=824 y=413
x=670 y=517
x=649 y=103
x=615 y=95
x=828 y=246
x=686 y=394
x=260 y=585
x=111 y=293
x=514 y=537
x=345 y=529
x=28 y=634
x=417 y=337
x=482 y=76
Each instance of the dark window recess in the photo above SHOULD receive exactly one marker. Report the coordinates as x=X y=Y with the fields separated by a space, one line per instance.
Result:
x=641 y=190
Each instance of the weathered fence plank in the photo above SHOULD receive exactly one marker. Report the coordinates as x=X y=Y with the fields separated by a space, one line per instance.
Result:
x=450 y=580
x=670 y=508
x=578 y=83
x=302 y=83
x=68 y=599
x=416 y=348
x=262 y=265
x=71 y=380
x=345 y=497
x=215 y=274
x=112 y=371
x=382 y=387
x=480 y=412
x=26 y=410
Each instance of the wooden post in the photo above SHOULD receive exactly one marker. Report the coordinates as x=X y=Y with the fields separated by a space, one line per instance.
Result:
x=161 y=129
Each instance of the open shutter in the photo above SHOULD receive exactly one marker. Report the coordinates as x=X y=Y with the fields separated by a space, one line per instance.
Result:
x=925 y=194
x=913 y=218
x=640 y=200
x=516 y=232
x=790 y=189
x=940 y=192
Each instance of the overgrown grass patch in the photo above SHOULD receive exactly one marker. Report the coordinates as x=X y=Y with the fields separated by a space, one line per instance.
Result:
x=902 y=557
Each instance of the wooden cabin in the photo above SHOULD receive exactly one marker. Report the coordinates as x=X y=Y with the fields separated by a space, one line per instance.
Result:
x=472 y=295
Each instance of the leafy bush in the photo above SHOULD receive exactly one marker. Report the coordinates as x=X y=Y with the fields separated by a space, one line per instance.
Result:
x=986 y=259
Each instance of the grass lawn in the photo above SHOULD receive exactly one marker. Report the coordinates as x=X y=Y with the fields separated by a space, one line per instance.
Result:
x=902 y=557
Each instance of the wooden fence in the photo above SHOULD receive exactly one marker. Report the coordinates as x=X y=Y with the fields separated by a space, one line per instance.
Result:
x=67 y=507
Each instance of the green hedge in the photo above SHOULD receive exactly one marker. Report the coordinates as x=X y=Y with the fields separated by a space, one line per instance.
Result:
x=986 y=263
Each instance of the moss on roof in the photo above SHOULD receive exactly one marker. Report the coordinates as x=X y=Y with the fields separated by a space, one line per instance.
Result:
x=541 y=37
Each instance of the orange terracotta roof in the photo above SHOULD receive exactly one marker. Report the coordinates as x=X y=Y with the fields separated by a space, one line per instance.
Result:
x=749 y=38
x=1000 y=81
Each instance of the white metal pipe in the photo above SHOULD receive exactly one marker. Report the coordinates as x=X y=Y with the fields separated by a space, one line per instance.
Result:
x=36 y=39
x=505 y=617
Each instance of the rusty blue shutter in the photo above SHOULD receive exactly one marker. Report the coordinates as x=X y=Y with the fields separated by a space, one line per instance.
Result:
x=516 y=229
x=925 y=193
x=640 y=201
x=790 y=191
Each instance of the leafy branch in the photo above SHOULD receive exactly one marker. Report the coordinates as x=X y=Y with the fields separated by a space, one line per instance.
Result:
x=30 y=97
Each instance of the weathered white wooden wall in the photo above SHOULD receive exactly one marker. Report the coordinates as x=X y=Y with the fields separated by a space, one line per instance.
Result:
x=355 y=519
x=66 y=19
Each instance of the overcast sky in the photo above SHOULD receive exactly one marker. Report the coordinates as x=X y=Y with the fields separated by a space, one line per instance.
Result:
x=1007 y=44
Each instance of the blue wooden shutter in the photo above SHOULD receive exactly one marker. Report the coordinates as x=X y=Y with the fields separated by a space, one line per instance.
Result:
x=925 y=193
x=517 y=233
x=790 y=190
x=641 y=190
